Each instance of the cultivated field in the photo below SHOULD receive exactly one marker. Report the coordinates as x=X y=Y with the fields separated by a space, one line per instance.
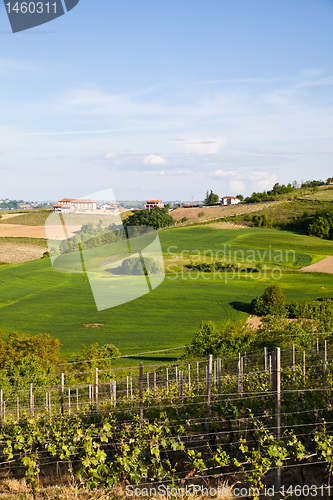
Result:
x=14 y=253
x=35 y=218
x=211 y=213
x=34 y=298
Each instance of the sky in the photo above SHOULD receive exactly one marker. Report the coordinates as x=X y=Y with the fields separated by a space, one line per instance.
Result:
x=167 y=100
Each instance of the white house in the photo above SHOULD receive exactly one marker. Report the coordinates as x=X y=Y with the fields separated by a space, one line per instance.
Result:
x=79 y=204
x=63 y=208
x=111 y=206
x=154 y=203
x=230 y=200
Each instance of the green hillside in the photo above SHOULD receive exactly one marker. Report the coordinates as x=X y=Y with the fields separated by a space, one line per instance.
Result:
x=36 y=299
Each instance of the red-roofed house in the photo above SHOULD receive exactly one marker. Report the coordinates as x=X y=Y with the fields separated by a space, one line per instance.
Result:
x=154 y=203
x=230 y=200
x=79 y=204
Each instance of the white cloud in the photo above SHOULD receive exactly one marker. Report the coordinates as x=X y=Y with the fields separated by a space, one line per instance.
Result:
x=262 y=180
x=154 y=160
x=237 y=186
x=176 y=172
x=223 y=174
x=203 y=146
x=110 y=155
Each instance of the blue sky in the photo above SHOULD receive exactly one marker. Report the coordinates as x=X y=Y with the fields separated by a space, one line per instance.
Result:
x=167 y=99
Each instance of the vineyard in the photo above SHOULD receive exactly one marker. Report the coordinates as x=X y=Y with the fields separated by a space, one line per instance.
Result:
x=256 y=419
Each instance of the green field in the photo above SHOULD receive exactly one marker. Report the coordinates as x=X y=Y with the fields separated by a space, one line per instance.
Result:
x=33 y=218
x=36 y=299
x=242 y=243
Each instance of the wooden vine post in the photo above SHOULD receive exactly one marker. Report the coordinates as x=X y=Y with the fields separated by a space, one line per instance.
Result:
x=62 y=389
x=96 y=391
x=219 y=370
x=141 y=391
x=277 y=393
x=31 y=398
x=208 y=391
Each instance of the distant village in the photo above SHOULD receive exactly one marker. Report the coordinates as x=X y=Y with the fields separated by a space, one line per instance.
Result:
x=71 y=205
x=68 y=205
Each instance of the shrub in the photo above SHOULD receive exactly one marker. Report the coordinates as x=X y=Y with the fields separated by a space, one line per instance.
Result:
x=271 y=302
x=135 y=266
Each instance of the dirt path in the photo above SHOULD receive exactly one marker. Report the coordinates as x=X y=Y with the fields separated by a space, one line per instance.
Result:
x=323 y=266
x=9 y=216
x=18 y=231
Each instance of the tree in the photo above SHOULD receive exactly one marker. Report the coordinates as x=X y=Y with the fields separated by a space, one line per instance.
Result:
x=95 y=356
x=156 y=218
x=240 y=197
x=133 y=265
x=272 y=301
x=211 y=198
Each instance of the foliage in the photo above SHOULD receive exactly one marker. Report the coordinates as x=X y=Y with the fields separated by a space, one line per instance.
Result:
x=271 y=302
x=94 y=356
x=280 y=190
x=261 y=221
x=322 y=225
x=134 y=266
x=92 y=236
x=22 y=350
x=156 y=218
x=211 y=199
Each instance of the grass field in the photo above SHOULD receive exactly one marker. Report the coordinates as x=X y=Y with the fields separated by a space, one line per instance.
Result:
x=288 y=211
x=242 y=243
x=36 y=299
x=36 y=218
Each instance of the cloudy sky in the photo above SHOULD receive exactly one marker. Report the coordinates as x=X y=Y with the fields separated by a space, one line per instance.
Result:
x=166 y=99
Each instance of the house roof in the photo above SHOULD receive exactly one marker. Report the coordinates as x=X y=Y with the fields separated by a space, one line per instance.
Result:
x=233 y=197
x=154 y=201
x=76 y=201
x=84 y=201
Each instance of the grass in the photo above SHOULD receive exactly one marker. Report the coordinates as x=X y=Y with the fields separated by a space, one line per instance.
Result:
x=28 y=241
x=322 y=194
x=191 y=243
x=35 y=218
x=288 y=211
x=34 y=298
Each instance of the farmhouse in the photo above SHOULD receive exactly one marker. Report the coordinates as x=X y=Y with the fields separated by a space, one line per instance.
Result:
x=111 y=206
x=230 y=200
x=154 y=203
x=63 y=208
x=78 y=204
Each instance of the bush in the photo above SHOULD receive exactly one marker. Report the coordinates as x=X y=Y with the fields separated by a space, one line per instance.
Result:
x=134 y=266
x=201 y=214
x=272 y=301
